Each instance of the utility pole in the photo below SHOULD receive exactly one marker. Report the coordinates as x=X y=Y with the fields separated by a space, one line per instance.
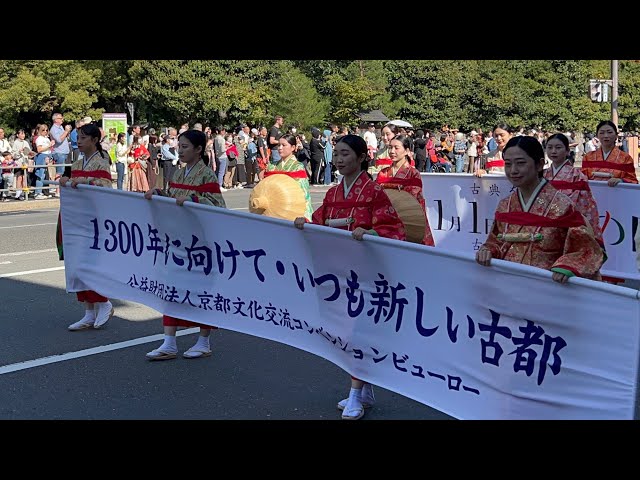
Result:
x=614 y=92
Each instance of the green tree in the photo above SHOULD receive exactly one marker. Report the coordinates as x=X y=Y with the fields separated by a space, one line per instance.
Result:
x=297 y=100
x=31 y=91
x=210 y=91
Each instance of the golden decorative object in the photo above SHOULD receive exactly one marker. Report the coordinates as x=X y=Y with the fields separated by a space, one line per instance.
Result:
x=410 y=212
x=278 y=196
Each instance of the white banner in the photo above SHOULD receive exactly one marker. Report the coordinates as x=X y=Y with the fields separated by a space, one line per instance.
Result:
x=500 y=342
x=461 y=209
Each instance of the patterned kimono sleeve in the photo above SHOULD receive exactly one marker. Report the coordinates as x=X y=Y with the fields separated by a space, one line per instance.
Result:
x=207 y=198
x=582 y=254
x=492 y=243
x=384 y=218
x=318 y=216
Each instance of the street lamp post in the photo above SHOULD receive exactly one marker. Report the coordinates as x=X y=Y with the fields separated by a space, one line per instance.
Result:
x=614 y=92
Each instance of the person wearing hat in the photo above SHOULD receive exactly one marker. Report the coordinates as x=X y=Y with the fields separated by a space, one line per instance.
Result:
x=472 y=151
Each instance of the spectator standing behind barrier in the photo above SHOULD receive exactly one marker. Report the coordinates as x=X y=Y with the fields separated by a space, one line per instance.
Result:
x=73 y=141
x=122 y=153
x=220 y=151
x=8 y=165
x=169 y=161
x=22 y=154
x=43 y=147
x=61 y=148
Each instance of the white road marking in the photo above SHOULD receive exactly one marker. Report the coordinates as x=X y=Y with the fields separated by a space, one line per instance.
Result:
x=5 y=263
x=38 y=362
x=29 y=272
x=29 y=252
x=31 y=225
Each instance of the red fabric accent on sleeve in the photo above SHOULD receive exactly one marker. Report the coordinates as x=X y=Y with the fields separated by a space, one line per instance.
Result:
x=91 y=173
x=573 y=219
x=623 y=167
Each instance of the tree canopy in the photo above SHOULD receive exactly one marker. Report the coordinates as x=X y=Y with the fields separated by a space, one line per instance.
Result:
x=549 y=94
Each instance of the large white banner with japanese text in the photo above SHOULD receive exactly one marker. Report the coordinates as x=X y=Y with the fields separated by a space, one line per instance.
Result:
x=461 y=209
x=500 y=342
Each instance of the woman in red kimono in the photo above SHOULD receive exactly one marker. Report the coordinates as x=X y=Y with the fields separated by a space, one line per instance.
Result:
x=359 y=205
x=138 y=167
x=609 y=162
x=537 y=225
x=403 y=176
x=571 y=181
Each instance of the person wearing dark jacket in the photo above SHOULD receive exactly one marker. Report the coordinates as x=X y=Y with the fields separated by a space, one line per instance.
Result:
x=316 y=149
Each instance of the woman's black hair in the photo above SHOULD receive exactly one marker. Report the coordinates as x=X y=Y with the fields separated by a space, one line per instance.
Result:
x=197 y=138
x=359 y=146
x=531 y=147
x=607 y=122
x=93 y=131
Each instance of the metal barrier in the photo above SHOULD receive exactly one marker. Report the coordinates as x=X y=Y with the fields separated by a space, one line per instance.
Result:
x=28 y=189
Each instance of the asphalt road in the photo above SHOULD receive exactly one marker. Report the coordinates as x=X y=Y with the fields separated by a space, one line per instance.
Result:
x=47 y=372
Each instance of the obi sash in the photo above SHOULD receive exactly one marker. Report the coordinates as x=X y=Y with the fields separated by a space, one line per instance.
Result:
x=623 y=167
x=563 y=185
x=494 y=163
x=394 y=182
x=91 y=173
x=383 y=162
x=573 y=219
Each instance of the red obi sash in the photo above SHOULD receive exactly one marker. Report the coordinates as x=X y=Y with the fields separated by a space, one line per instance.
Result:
x=494 y=163
x=91 y=173
x=384 y=162
x=563 y=185
x=573 y=219
x=623 y=167
x=294 y=175
x=394 y=182
x=212 y=187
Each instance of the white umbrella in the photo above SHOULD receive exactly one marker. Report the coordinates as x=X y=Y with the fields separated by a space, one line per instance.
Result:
x=400 y=123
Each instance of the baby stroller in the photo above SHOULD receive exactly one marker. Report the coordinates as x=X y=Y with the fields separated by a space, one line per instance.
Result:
x=442 y=164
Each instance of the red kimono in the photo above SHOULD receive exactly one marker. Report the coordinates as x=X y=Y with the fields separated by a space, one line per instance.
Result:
x=408 y=179
x=366 y=205
x=574 y=184
x=547 y=233
x=617 y=165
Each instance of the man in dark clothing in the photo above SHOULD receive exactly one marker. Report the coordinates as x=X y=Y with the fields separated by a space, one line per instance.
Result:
x=316 y=149
x=274 y=138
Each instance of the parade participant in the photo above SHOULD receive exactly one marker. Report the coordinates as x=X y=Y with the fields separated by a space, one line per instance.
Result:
x=382 y=155
x=359 y=205
x=138 y=164
x=571 y=181
x=538 y=225
x=289 y=165
x=495 y=161
x=401 y=175
x=608 y=162
x=92 y=168
x=198 y=183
